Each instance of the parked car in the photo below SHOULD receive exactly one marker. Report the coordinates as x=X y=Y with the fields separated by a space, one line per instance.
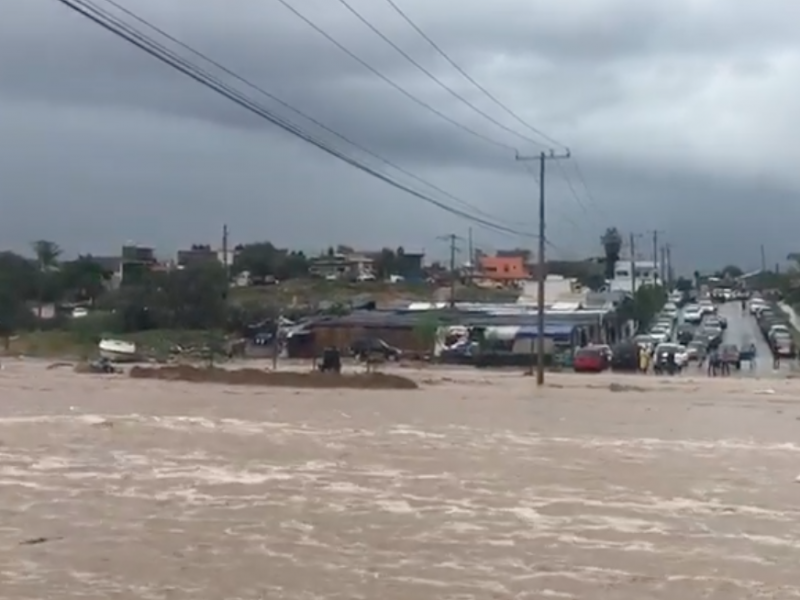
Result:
x=371 y=346
x=625 y=356
x=590 y=360
x=692 y=314
x=782 y=345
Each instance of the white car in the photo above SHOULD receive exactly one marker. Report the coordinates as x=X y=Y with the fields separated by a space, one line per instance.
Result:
x=756 y=304
x=692 y=314
x=707 y=307
x=660 y=334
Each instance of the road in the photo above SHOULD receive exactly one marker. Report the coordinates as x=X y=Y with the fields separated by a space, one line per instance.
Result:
x=743 y=330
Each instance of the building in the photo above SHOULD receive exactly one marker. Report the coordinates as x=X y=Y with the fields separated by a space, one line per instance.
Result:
x=410 y=266
x=507 y=270
x=645 y=273
x=200 y=254
x=342 y=266
x=136 y=260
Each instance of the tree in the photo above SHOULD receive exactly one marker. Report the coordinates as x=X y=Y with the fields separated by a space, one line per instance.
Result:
x=263 y=259
x=427 y=330
x=258 y=259
x=83 y=279
x=612 y=246
x=730 y=272
x=386 y=264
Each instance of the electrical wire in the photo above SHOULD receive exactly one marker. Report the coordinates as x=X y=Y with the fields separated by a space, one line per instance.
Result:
x=471 y=79
x=500 y=104
x=391 y=82
x=377 y=31
x=128 y=33
x=297 y=111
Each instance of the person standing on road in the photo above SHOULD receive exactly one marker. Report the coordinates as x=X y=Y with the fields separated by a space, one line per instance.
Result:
x=752 y=357
x=712 y=363
x=644 y=360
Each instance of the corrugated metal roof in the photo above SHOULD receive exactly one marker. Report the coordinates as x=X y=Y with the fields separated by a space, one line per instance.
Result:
x=381 y=318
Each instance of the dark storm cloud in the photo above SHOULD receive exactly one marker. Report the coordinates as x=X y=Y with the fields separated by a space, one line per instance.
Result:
x=655 y=97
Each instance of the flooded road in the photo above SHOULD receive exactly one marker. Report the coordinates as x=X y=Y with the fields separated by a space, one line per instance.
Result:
x=475 y=487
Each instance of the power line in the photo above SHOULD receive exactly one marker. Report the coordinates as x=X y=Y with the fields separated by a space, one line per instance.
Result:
x=469 y=78
x=433 y=77
x=295 y=110
x=101 y=17
x=391 y=82
x=496 y=101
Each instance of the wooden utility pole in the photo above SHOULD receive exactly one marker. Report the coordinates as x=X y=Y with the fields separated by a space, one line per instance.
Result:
x=763 y=259
x=669 y=266
x=658 y=267
x=225 y=260
x=663 y=274
x=541 y=267
x=453 y=239
x=633 y=264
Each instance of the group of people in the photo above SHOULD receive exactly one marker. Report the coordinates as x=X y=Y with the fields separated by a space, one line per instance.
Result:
x=718 y=365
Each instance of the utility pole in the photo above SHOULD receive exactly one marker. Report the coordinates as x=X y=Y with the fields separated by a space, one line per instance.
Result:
x=453 y=239
x=225 y=260
x=669 y=266
x=471 y=249
x=763 y=259
x=656 y=263
x=633 y=264
x=541 y=274
x=663 y=273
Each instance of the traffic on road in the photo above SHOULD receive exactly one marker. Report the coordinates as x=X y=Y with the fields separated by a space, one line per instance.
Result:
x=719 y=333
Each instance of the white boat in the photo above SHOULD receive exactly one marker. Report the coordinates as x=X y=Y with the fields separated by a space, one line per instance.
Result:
x=118 y=350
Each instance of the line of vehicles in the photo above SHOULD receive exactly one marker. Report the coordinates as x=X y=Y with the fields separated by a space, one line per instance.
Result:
x=774 y=326
x=685 y=331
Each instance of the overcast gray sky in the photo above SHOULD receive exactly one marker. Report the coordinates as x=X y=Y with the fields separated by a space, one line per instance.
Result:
x=682 y=115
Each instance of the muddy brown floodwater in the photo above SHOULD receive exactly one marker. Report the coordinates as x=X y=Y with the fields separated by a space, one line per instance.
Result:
x=475 y=486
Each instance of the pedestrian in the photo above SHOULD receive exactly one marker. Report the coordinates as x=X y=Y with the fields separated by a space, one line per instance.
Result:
x=712 y=363
x=644 y=360
x=776 y=360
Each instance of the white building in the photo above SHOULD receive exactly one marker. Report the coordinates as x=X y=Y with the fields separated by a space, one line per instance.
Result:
x=645 y=271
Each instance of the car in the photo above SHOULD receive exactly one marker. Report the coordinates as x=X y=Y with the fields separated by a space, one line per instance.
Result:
x=755 y=305
x=365 y=348
x=590 y=360
x=782 y=345
x=707 y=307
x=604 y=348
x=625 y=356
x=670 y=310
x=692 y=314
x=660 y=334
x=779 y=328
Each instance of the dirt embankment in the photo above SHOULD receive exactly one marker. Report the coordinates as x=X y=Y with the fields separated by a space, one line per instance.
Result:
x=366 y=381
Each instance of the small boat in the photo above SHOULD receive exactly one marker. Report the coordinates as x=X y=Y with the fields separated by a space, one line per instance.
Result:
x=118 y=350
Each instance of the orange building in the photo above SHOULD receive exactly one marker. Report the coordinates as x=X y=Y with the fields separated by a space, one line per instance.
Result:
x=503 y=268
